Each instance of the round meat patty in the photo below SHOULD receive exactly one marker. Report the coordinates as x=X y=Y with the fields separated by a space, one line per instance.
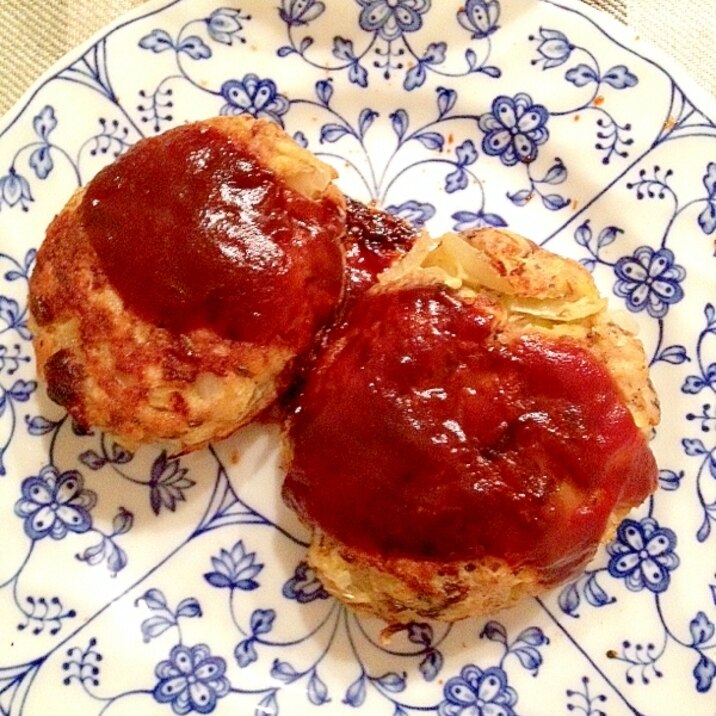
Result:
x=473 y=431
x=173 y=292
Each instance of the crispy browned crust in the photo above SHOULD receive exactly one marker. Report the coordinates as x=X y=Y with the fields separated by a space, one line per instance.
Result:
x=530 y=290
x=112 y=370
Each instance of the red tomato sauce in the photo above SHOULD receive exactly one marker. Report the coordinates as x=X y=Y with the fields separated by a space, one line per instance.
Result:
x=193 y=232
x=418 y=435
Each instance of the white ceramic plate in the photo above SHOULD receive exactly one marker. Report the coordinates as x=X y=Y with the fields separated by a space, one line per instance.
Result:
x=138 y=584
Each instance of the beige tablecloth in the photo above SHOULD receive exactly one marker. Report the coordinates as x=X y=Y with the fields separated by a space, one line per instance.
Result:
x=35 y=33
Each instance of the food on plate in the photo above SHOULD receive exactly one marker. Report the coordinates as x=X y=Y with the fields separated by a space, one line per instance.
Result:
x=476 y=427
x=173 y=292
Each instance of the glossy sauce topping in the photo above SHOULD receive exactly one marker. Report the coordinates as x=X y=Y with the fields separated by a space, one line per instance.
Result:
x=373 y=240
x=417 y=435
x=193 y=232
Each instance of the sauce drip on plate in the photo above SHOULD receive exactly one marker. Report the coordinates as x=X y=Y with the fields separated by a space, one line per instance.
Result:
x=419 y=434
x=193 y=232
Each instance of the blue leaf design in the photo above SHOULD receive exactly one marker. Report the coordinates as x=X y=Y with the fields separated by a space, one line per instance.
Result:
x=674 y=354
x=365 y=119
x=283 y=671
x=702 y=629
x=41 y=161
x=262 y=621
x=415 y=77
x=300 y=139
x=693 y=447
x=92 y=460
x=358 y=74
x=245 y=652
x=608 y=235
x=707 y=218
x=392 y=682
x=268 y=706
x=156 y=625
x=399 y=711
x=37 y=425
x=471 y=59
x=588 y=264
x=554 y=202
x=491 y=71
x=710 y=314
x=493 y=220
x=317 y=691
x=456 y=180
x=569 y=599
x=332 y=132
x=556 y=174
x=431 y=140
x=529 y=657
x=693 y=384
x=218 y=580
x=619 y=77
x=305 y=44
x=704 y=673
x=399 y=120
x=188 y=608
x=532 y=636
x=116 y=558
x=583 y=234
x=285 y=51
x=122 y=522
x=594 y=593
x=494 y=631
x=670 y=480
x=324 y=91
x=154 y=599
x=343 y=49
x=195 y=47
x=157 y=41
x=431 y=665
x=434 y=53
x=520 y=198
x=466 y=153
x=420 y=633
x=704 y=530
x=446 y=100
x=44 y=122
x=355 y=694
x=21 y=390
x=581 y=75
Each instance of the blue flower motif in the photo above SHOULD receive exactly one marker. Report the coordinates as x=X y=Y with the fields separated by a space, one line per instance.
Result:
x=643 y=555
x=15 y=189
x=304 y=586
x=55 y=503
x=414 y=212
x=554 y=48
x=514 y=129
x=649 y=280
x=480 y=17
x=391 y=18
x=191 y=680
x=478 y=693
x=300 y=12
x=235 y=569
x=254 y=96
x=707 y=218
x=225 y=24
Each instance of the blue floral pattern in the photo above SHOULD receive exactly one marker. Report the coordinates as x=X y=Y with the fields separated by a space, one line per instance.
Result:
x=478 y=693
x=649 y=280
x=643 y=555
x=514 y=129
x=391 y=18
x=485 y=113
x=254 y=96
x=55 y=503
x=191 y=680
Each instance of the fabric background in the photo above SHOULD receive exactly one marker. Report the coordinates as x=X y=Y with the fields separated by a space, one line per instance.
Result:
x=35 y=33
